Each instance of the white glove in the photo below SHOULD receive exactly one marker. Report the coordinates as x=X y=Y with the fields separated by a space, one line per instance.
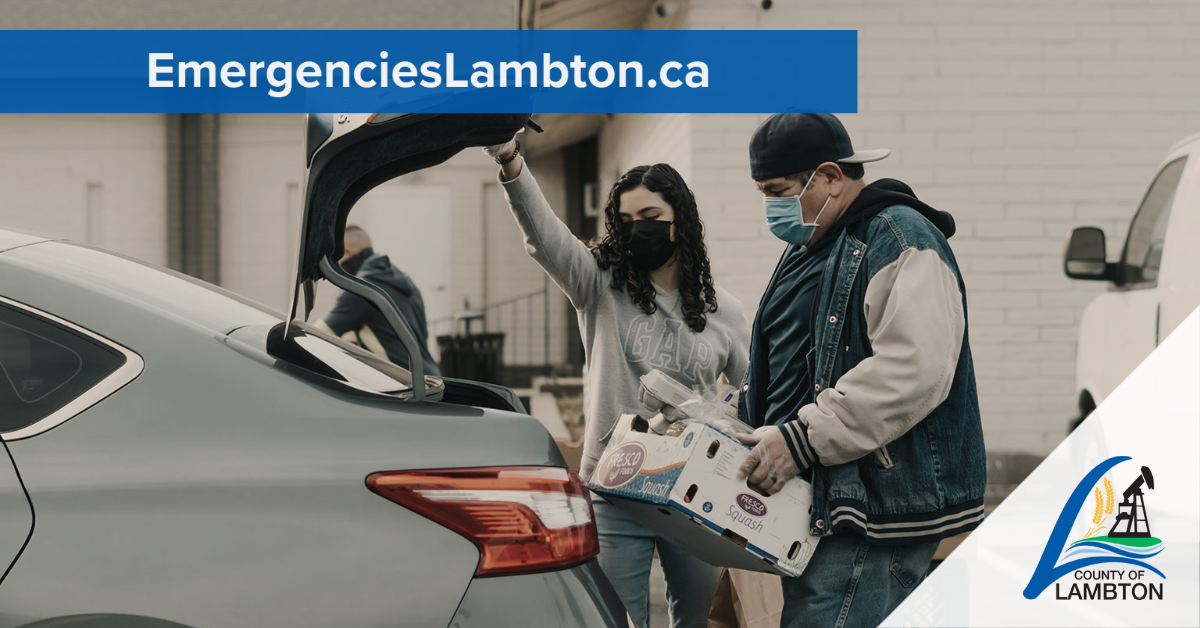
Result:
x=770 y=464
x=497 y=150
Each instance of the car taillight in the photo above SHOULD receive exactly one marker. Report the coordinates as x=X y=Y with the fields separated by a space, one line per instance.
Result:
x=523 y=519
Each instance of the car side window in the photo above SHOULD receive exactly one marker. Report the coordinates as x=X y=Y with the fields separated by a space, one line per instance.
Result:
x=44 y=366
x=1142 y=257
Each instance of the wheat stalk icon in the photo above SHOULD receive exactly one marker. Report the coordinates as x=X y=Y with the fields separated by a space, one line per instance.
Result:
x=1104 y=507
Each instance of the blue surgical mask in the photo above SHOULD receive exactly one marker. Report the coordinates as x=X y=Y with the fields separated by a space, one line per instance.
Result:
x=785 y=217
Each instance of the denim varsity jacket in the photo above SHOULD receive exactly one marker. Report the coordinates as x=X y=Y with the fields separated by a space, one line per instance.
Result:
x=893 y=439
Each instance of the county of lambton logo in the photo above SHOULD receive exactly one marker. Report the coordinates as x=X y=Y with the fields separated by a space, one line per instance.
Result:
x=1108 y=532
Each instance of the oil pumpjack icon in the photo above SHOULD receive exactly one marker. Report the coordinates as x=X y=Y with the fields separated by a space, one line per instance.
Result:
x=1132 y=510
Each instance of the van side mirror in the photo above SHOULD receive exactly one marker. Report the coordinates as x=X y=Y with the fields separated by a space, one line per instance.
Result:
x=1086 y=258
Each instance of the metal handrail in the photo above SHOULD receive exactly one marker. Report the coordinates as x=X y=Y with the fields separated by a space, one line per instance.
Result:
x=490 y=306
x=513 y=302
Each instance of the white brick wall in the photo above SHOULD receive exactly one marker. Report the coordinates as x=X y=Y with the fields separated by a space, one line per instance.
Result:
x=1023 y=119
x=260 y=155
x=510 y=272
x=629 y=140
x=48 y=161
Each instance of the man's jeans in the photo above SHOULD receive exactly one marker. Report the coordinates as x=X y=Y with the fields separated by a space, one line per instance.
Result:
x=851 y=583
x=626 y=552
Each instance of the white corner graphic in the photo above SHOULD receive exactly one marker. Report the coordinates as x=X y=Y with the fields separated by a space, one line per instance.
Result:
x=1105 y=532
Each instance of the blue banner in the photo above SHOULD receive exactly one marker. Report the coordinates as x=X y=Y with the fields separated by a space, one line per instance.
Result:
x=427 y=71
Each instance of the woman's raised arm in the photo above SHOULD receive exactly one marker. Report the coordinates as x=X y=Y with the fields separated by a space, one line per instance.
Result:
x=548 y=241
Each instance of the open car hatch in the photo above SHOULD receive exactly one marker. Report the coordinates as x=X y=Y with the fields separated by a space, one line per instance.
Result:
x=349 y=154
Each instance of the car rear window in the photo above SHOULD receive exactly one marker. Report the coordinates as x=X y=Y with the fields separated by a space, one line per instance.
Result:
x=44 y=366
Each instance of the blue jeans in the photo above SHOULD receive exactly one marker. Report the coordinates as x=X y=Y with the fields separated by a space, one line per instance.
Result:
x=851 y=583
x=626 y=552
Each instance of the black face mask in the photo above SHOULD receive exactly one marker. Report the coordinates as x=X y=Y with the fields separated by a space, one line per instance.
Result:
x=355 y=262
x=648 y=242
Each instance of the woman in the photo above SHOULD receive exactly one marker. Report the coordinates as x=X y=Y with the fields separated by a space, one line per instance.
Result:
x=645 y=300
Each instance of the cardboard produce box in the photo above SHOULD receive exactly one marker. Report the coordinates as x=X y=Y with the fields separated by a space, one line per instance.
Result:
x=685 y=488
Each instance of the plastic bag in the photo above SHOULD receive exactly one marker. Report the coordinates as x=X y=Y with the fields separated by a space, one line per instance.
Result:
x=679 y=406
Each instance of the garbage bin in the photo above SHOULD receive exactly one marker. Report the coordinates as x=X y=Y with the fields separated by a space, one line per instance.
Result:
x=477 y=357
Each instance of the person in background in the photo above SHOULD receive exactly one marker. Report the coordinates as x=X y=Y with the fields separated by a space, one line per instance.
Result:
x=354 y=314
x=645 y=300
x=860 y=375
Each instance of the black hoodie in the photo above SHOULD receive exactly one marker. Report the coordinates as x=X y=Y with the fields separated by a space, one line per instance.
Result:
x=886 y=193
x=352 y=312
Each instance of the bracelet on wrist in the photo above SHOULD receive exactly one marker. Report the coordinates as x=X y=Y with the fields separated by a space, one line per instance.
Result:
x=516 y=151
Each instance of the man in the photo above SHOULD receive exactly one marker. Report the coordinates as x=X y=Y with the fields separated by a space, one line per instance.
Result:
x=353 y=313
x=860 y=373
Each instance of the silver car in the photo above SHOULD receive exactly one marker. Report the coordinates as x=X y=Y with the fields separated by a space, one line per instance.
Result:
x=177 y=455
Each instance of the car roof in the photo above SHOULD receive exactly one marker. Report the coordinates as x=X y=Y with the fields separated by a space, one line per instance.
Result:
x=71 y=275
x=1184 y=142
x=14 y=238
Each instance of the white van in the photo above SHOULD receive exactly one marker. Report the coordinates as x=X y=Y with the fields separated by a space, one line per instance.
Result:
x=1154 y=285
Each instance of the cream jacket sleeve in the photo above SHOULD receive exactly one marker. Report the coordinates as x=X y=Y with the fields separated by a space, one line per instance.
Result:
x=915 y=323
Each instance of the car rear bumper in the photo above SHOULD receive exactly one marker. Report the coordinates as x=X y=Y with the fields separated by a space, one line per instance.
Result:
x=580 y=596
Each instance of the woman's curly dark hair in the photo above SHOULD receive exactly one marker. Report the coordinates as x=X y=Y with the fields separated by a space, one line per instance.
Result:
x=696 y=283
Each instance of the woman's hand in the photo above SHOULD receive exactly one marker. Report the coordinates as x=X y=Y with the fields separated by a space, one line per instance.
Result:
x=502 y=152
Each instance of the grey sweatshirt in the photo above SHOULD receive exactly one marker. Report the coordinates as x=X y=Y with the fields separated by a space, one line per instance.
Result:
x=622 y=343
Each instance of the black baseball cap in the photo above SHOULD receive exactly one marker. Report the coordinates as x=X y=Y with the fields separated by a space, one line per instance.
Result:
x=787 y=143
